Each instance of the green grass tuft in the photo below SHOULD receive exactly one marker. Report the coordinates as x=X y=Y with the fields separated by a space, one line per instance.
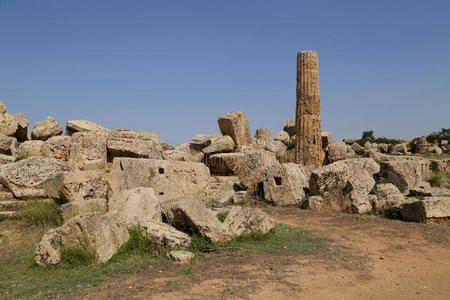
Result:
x=22 y=278
x=282 y=239
x=41 y=213
x=2 y=218
x=222 y=216
x=76 y=256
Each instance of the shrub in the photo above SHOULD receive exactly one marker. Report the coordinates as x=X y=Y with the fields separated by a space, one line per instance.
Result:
x=202 y=245
x=2 y=218
x=37 y=212
x=76 y=256
x=290 y=145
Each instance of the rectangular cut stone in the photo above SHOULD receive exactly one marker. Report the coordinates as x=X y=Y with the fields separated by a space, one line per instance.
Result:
x=235 y=125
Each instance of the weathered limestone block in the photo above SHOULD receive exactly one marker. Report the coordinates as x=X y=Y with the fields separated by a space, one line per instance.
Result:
x=339 y=151
x=88 y=150
x=241 y=197
x=357 y=148
x=136 y=206
x=29 y=149
x=99 y=234
x=435 y=150
x=387 y=195
x=56 y=147
x=284 y=184
x=221 y=144
x=194 y=215
x=358 y=189
x=309 y=135
x=84 y=185
x=217 y=163
x=280 y=150
x=242 y=220
x=250 y=166
x=263 y=136
x=8 y=145
x=201 y=141
x=46 y=129
x=422 y=145
x=164 y=234
x=75 y=126
x=289 y=127
x=48 y=249
x=283 y=137
x=13 y=125
x=315 y=202
x=403 y=173
x=6 y=159
x=176 y=155
x=72 y=209
x=235 y=125
x=131 y=143
x=222 y=188
x=169 y=179
x=398 y=149
x=421 y=210
x=180 y=257
x=345 y=184
x=33 y=177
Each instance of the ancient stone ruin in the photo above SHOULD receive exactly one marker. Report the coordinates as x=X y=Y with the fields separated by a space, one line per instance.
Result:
x=108 y=180
x=307 y=115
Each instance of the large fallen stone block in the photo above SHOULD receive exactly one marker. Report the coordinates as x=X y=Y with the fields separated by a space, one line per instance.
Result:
x=99 y=234
x=8 y=145
x=75 y=126
x=201 y=141
x=33 y=177
x=72 y=209
x=170 y=180
x=249 y=166
x=387 y=195
x=164 y=234
x=84 y=185
x=403 y=173
x=131 y=143
x=339 y=151
x=46 y=129
x=284 y=184
x=88 y=150
x=221 y=144
x=242 y=220
x=283 y=137
x=13 y=125
x=29 y=149
x=345 y=184
x=56 y=147
x=235 y=125
x=223 y=188
x=421 y=210
x=193 y=215
x=136 y=206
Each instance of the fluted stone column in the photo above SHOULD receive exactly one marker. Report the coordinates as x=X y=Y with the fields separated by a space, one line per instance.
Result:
x=309 y=141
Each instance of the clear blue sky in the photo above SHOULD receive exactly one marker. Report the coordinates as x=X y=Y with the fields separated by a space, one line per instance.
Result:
x=173 y=66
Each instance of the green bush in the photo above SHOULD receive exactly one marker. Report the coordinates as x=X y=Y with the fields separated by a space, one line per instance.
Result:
x=201 y=245
x=38 y=212
x=76 y=256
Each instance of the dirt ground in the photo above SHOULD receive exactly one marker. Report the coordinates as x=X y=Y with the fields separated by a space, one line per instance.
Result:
x=371 y=258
